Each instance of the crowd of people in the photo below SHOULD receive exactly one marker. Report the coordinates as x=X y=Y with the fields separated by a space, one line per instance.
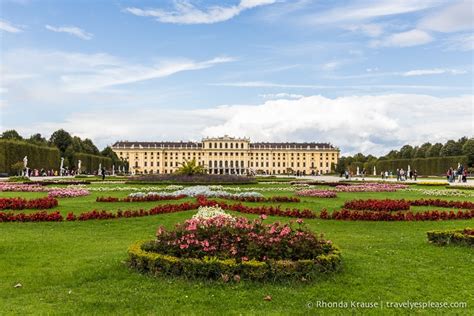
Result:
x=459 y=174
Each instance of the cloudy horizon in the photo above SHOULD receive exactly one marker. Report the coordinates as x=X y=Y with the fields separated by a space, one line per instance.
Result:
x=365 y=77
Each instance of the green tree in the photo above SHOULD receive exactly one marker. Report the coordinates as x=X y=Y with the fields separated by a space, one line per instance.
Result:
x=11 y=134
x=61 y=139
x=37 y=139
x=406 y=152
x=434 y=150
x=89 y=147
x=451 y=148
x=359 y=157
x=108 y=152
x=341 y=165
x=468 y=150
x=191 y=168
x=421 y=152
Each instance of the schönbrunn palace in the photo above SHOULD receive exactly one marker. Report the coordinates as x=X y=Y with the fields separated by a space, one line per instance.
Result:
x=228 y=155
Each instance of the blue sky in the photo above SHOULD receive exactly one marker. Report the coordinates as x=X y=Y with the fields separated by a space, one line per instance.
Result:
x=365 y=75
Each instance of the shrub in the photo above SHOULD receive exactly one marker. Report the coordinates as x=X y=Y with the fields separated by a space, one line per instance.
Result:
x=446 y=237
x=222 y=248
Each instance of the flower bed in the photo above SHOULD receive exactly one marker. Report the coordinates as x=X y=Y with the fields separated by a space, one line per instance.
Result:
x=160 y=209
x=145 y=198
x=386 y=205
x=278 y=199
x=20 y=203
x=432 y=183
x=41 y=216
x=17 y=187
x=443 y=203
x=371 y=187
x=67 y=192
x=444 y=192
x=317 y=193
x=446 y=237
x=266 y=210
x=351 y=215
x=229 y=248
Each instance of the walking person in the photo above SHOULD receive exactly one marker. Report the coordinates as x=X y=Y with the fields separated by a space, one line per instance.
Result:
x=415 y=174
x=398 y=174
x=103 y=173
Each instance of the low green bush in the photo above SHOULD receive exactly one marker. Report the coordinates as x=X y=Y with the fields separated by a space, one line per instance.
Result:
x=446 y=237
x=226 y=269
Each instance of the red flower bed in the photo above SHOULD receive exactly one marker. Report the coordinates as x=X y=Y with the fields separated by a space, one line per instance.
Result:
x=41 y=216
x=443 y=203
x=267 y=210
x=378 y=205
x=20 y=203
x=160 y=209
x=398 y=216
x=147 y=198
x=279 y=199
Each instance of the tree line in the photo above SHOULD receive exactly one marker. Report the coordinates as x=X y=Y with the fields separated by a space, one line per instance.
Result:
x=426 y=152
x=70 y=147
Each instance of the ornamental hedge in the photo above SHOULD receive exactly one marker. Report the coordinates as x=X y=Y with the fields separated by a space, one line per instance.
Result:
x=90 y=163
x=424 y=166
x=223 y=247
x=457 y=236
x=13 y=151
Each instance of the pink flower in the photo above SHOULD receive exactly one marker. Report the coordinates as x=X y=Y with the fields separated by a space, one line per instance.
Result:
x=245 y=259
x=263 y=216
x=183 y=246
x=299 y=221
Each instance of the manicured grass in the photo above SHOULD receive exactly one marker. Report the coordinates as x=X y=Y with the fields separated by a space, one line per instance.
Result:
x=77 y=267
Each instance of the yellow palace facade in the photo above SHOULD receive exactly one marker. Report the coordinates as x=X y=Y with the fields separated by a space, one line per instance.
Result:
x=229 y=155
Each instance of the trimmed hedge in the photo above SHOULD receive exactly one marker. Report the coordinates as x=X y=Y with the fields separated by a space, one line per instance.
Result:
x=424 y=166
x=90 y=163
x=12 y=151
x=212 y=268
x=446 y=237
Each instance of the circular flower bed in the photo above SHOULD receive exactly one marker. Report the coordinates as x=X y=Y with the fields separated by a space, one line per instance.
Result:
x=224 y=247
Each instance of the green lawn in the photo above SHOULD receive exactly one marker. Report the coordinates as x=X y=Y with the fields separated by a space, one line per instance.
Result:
x=78 y=267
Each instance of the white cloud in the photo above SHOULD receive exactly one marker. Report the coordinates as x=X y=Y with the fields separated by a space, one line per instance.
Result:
x=366 y=10
x=371 y=124
x=370 y=29
x=8 y=27
x=57 y=71
x=73 y=30
x=332 y=65
x=186 y=13
x=368 y=87
x=461 y=42
x=457 y=17
x=281 y=95
x=435 y=71
x=410 y=38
